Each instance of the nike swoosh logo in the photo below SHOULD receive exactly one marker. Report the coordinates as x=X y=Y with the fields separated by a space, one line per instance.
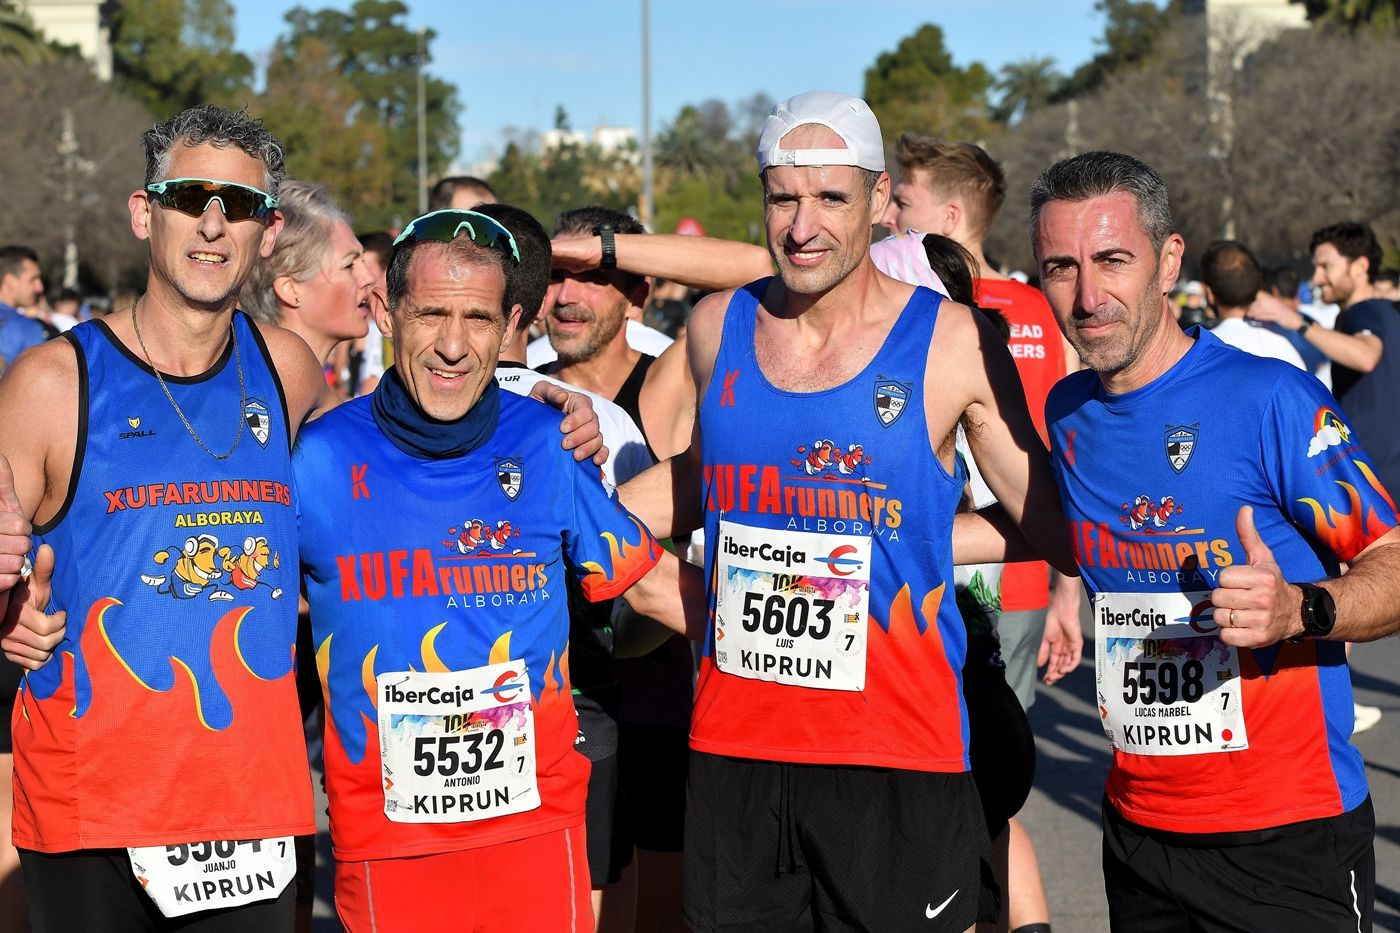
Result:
x=930 y=911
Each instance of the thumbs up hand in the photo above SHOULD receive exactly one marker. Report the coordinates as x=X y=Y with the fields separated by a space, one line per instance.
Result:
x=14 y=529
x=28 y=636
x=1254 y=605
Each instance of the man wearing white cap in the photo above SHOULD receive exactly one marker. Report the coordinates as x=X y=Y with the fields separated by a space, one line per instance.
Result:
x=828 y=781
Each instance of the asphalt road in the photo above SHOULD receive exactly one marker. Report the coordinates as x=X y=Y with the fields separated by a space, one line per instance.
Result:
x=1062 y=814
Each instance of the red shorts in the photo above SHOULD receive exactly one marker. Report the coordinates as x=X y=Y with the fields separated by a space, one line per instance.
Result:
x=540 y=883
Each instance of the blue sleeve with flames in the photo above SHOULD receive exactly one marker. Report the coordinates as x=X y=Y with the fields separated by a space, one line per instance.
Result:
x=1322 y=476
x=608 y=547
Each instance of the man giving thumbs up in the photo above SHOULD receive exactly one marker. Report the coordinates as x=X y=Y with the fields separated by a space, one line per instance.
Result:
x=1212 y=496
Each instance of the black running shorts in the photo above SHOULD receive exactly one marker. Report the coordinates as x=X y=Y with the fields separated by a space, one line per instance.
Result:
x=94 y=889
x=1317 y=876
x=776 y=847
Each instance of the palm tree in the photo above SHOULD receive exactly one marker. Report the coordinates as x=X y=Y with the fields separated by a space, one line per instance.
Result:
x=1024 y=86
x=688 y=147
x=20 y=40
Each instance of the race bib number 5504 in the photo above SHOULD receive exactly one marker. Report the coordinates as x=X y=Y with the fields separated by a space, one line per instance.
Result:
x=457 y=746
x=1167 y=685
x=791 y=607
x=193 y=876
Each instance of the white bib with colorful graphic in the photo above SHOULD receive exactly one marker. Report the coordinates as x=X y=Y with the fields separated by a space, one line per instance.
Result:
x=1166 y=684
x=792 y=607
x=457 y=746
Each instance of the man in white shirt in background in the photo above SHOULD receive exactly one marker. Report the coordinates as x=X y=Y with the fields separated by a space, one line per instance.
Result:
x=1232 y=279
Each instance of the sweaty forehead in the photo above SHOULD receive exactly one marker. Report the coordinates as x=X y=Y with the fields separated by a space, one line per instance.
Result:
x=1090 y=225
x=812 y=136
x=436 y=278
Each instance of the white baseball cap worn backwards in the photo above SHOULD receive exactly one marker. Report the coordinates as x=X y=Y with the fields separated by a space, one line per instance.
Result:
x=846 y=116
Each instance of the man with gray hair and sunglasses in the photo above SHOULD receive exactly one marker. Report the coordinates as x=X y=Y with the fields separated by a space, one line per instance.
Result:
x=1211 y=495
x=160 y=765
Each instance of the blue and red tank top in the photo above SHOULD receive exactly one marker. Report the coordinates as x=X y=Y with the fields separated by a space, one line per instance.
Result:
x=836 y=637
x=169 y=712
x=442 y=582
x=1209 y=738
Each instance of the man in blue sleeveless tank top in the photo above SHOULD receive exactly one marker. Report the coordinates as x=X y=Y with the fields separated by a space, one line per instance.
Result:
x=829 y=782
x=1199 y=483
x=160 y=763
x=151 y=450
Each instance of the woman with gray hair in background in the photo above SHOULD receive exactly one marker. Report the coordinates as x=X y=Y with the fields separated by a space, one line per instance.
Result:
x=316 y=283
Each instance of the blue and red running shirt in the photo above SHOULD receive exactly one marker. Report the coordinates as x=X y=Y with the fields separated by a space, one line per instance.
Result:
x=168 y=713
x=1206 y=738
x=836 y=637
x=418 y=570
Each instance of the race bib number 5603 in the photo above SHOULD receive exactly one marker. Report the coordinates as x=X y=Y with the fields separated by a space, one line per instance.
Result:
x=457 y=746
x=792 y=607
x=1167 y=685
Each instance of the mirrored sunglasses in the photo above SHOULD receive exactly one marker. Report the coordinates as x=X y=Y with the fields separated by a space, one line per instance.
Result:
x=194 y=195
x=446 y=225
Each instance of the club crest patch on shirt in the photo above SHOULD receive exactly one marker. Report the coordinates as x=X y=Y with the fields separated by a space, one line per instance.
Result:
x=1181 y=444
x=891 y=398
x=510 y=473
x=259 y=419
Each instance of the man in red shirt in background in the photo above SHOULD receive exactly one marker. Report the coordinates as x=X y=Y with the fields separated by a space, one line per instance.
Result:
x=955 y=189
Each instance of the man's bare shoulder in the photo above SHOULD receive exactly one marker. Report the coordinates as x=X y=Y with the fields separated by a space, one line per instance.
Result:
x=958 y=328
x=45 y=375
x=960 y=336
x=302 y=378
x=671 y=370
x=703 y=330
x=39 y=423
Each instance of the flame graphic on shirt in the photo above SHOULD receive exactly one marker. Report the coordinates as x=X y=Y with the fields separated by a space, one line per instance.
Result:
x=1349 y=531
x=627 y=561
x=914 y=653
x=188 y=712
x=551 y=689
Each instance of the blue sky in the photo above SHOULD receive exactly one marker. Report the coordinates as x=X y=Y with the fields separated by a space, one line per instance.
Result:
x=513 y=62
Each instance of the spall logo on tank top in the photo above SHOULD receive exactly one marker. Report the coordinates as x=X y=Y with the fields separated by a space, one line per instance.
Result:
x=829 y=490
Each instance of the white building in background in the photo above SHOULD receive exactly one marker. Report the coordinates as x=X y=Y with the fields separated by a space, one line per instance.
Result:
x=81 y=23
x=1223 y=34
x=606 y=138
x=1236 y=28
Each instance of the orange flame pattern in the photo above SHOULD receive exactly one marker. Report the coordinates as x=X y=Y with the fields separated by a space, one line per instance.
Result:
x=628 y=563
x=913 y=659
x=1349 y=532
x=145 y=770
x=358 y=824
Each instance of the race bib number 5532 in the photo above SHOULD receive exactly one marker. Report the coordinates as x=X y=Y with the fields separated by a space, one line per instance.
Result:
x=457 y=746
x=792 y=607
x=1167 y=685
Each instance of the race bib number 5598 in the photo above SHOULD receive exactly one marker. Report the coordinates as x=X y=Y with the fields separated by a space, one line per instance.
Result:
x=1167 y=684
x=792 y=607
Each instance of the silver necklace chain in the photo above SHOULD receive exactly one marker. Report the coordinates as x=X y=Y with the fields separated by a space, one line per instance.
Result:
x=242 y=394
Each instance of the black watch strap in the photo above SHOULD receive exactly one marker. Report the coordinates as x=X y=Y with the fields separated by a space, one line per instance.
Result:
x=1307 y=322
x=1319 y=611
x=605 y=233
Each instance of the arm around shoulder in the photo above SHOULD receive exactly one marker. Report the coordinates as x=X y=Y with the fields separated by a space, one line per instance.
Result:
x=1002 y=437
